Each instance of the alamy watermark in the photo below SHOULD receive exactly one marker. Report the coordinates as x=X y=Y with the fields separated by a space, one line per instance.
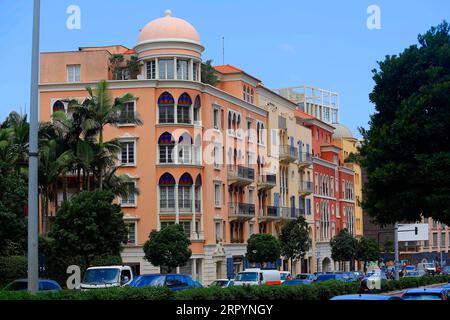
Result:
x=73 y=22
x=374 y=20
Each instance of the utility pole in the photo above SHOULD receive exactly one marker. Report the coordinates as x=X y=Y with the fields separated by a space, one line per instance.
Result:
x=396 y=259
x=33 y=264
x=223 y=50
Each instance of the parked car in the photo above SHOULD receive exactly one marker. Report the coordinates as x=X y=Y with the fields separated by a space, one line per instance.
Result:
x=223 y=283
x=358 y=275
x=365 y=297
x=428 y=267
x=284 y=275
x=106 y=276
x=413 y=274
x=174 y=282
x=348 y=276
x=256 y=276
x=43 y=285
x=306 y=276
x=297 y=281
x=330 y=276
x=439 y=293
x=445 y=270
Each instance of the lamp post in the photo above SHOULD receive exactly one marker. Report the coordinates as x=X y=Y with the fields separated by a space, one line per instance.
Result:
x=33 y=266
x=397 y=276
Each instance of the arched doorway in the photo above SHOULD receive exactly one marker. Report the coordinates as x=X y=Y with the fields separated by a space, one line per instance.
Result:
x=326 y=265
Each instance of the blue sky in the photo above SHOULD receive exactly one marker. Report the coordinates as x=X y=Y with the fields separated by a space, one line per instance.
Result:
x=284 y=43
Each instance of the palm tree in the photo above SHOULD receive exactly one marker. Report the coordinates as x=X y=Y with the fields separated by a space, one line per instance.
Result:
x=101 y=110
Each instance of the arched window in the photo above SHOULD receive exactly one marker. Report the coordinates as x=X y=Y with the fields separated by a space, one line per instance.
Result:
x=197 y=115
x=185 y=149
x=166 y=144
x=230 y=119
x=58 y=106
x=184 y=109
x=197 y=195
x=167 y=192
x=185 y=192
x=166 y=111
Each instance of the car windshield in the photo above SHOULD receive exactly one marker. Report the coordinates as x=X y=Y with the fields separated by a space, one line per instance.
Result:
x=303 y=276
x=283 y=276
x=101 y=276
x=247 y=276
x=148 y=280
x=17 y=286
x=421 y=296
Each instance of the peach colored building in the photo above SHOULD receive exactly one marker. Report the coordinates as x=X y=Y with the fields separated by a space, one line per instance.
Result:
x=224 y=161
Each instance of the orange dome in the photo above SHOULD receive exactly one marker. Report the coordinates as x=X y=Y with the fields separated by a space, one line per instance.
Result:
x=168 y=27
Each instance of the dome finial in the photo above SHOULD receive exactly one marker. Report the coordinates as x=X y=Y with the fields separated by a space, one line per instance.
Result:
x=168 y=13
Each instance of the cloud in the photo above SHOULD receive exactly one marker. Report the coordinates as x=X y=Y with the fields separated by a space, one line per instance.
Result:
x=288 y=48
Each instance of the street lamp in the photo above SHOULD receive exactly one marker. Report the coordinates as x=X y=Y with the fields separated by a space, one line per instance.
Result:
x=33 y=265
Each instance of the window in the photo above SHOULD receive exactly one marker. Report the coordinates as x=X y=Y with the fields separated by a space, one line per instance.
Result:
x=167 y=198
x=249 y=131
x=251 y=228
x=217 y=195
x=443 y=239
x=166 y=69
x=73 y=73
x=166 y=111
x=250 y=195
x=130 y=198
x=332 y=186
x=182 y=69
x=151 y=69
x=216 y=119
x=343 y=189
x=316 y=183
x=184 y=109
x=435 y=239
x=184 y=198
x=195 y=72
x=128 y=153
x=127 y=114
x=166 y=144
x=131 y=234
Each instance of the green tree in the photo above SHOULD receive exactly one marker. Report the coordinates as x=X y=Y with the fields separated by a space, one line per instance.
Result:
x=368 y=250
x=168 y=248
x=406 y=150
x=344 y=247
x=295 y=239
x=134 y=66
x=388 y=246
x=89 y=225
x=116 y=61
x=263 y=248
x=208 y=73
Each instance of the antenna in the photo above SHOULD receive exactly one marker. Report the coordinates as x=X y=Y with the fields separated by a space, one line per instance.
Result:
x=223 y=50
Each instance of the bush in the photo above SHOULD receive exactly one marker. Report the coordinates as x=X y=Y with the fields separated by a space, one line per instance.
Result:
x=12 y=268
x=315 y=291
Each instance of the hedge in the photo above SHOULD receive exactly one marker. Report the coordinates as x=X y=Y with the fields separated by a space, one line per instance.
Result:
x=315 y=291
x=12 y=268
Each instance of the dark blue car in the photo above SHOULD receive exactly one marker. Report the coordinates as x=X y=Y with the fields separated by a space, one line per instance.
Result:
x=22 y=285
x=439 y=293
x=297 y=281
x=174 y=282
x=332 y=276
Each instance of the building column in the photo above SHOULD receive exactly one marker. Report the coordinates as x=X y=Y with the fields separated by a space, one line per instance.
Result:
x=156 y=69
x=191 y=70
x=193 y=231
x=201 y=233
x=194 y=269
x=177 y=209
x=175 y=73
x=158 y=209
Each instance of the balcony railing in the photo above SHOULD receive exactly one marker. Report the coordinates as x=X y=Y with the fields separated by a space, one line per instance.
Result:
x=269 y=212
x=240 y=175
x=288 y=153
x=267 y=181
x=291 y=213
x=239 y=210
x=305 y=187
x=181 y=154
x=304 y=159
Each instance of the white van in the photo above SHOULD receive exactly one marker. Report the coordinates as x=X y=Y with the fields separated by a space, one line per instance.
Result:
x=106 y=277
x=256 y=276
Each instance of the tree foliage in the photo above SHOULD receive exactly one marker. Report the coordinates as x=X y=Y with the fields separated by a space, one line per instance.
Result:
x=208 y=73
x=295 y=239
x=263 y=248
x=368 y=250
x=344 y=247
x=168 y=248
x=406 y=150
x=89 y=225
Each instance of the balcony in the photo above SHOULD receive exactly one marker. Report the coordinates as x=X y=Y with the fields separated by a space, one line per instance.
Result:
x=305 y=187
x=288 y=153
x=305 y=159
x=288 y=213
x=241 y=211
x=267 y=181
x=179 y=155
x=269 y=213
x=240 y=175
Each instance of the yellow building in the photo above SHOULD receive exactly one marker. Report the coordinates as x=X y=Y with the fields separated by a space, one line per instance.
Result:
x=343 y=138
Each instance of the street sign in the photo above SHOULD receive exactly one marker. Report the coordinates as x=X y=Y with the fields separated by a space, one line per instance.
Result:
x=413 y=232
